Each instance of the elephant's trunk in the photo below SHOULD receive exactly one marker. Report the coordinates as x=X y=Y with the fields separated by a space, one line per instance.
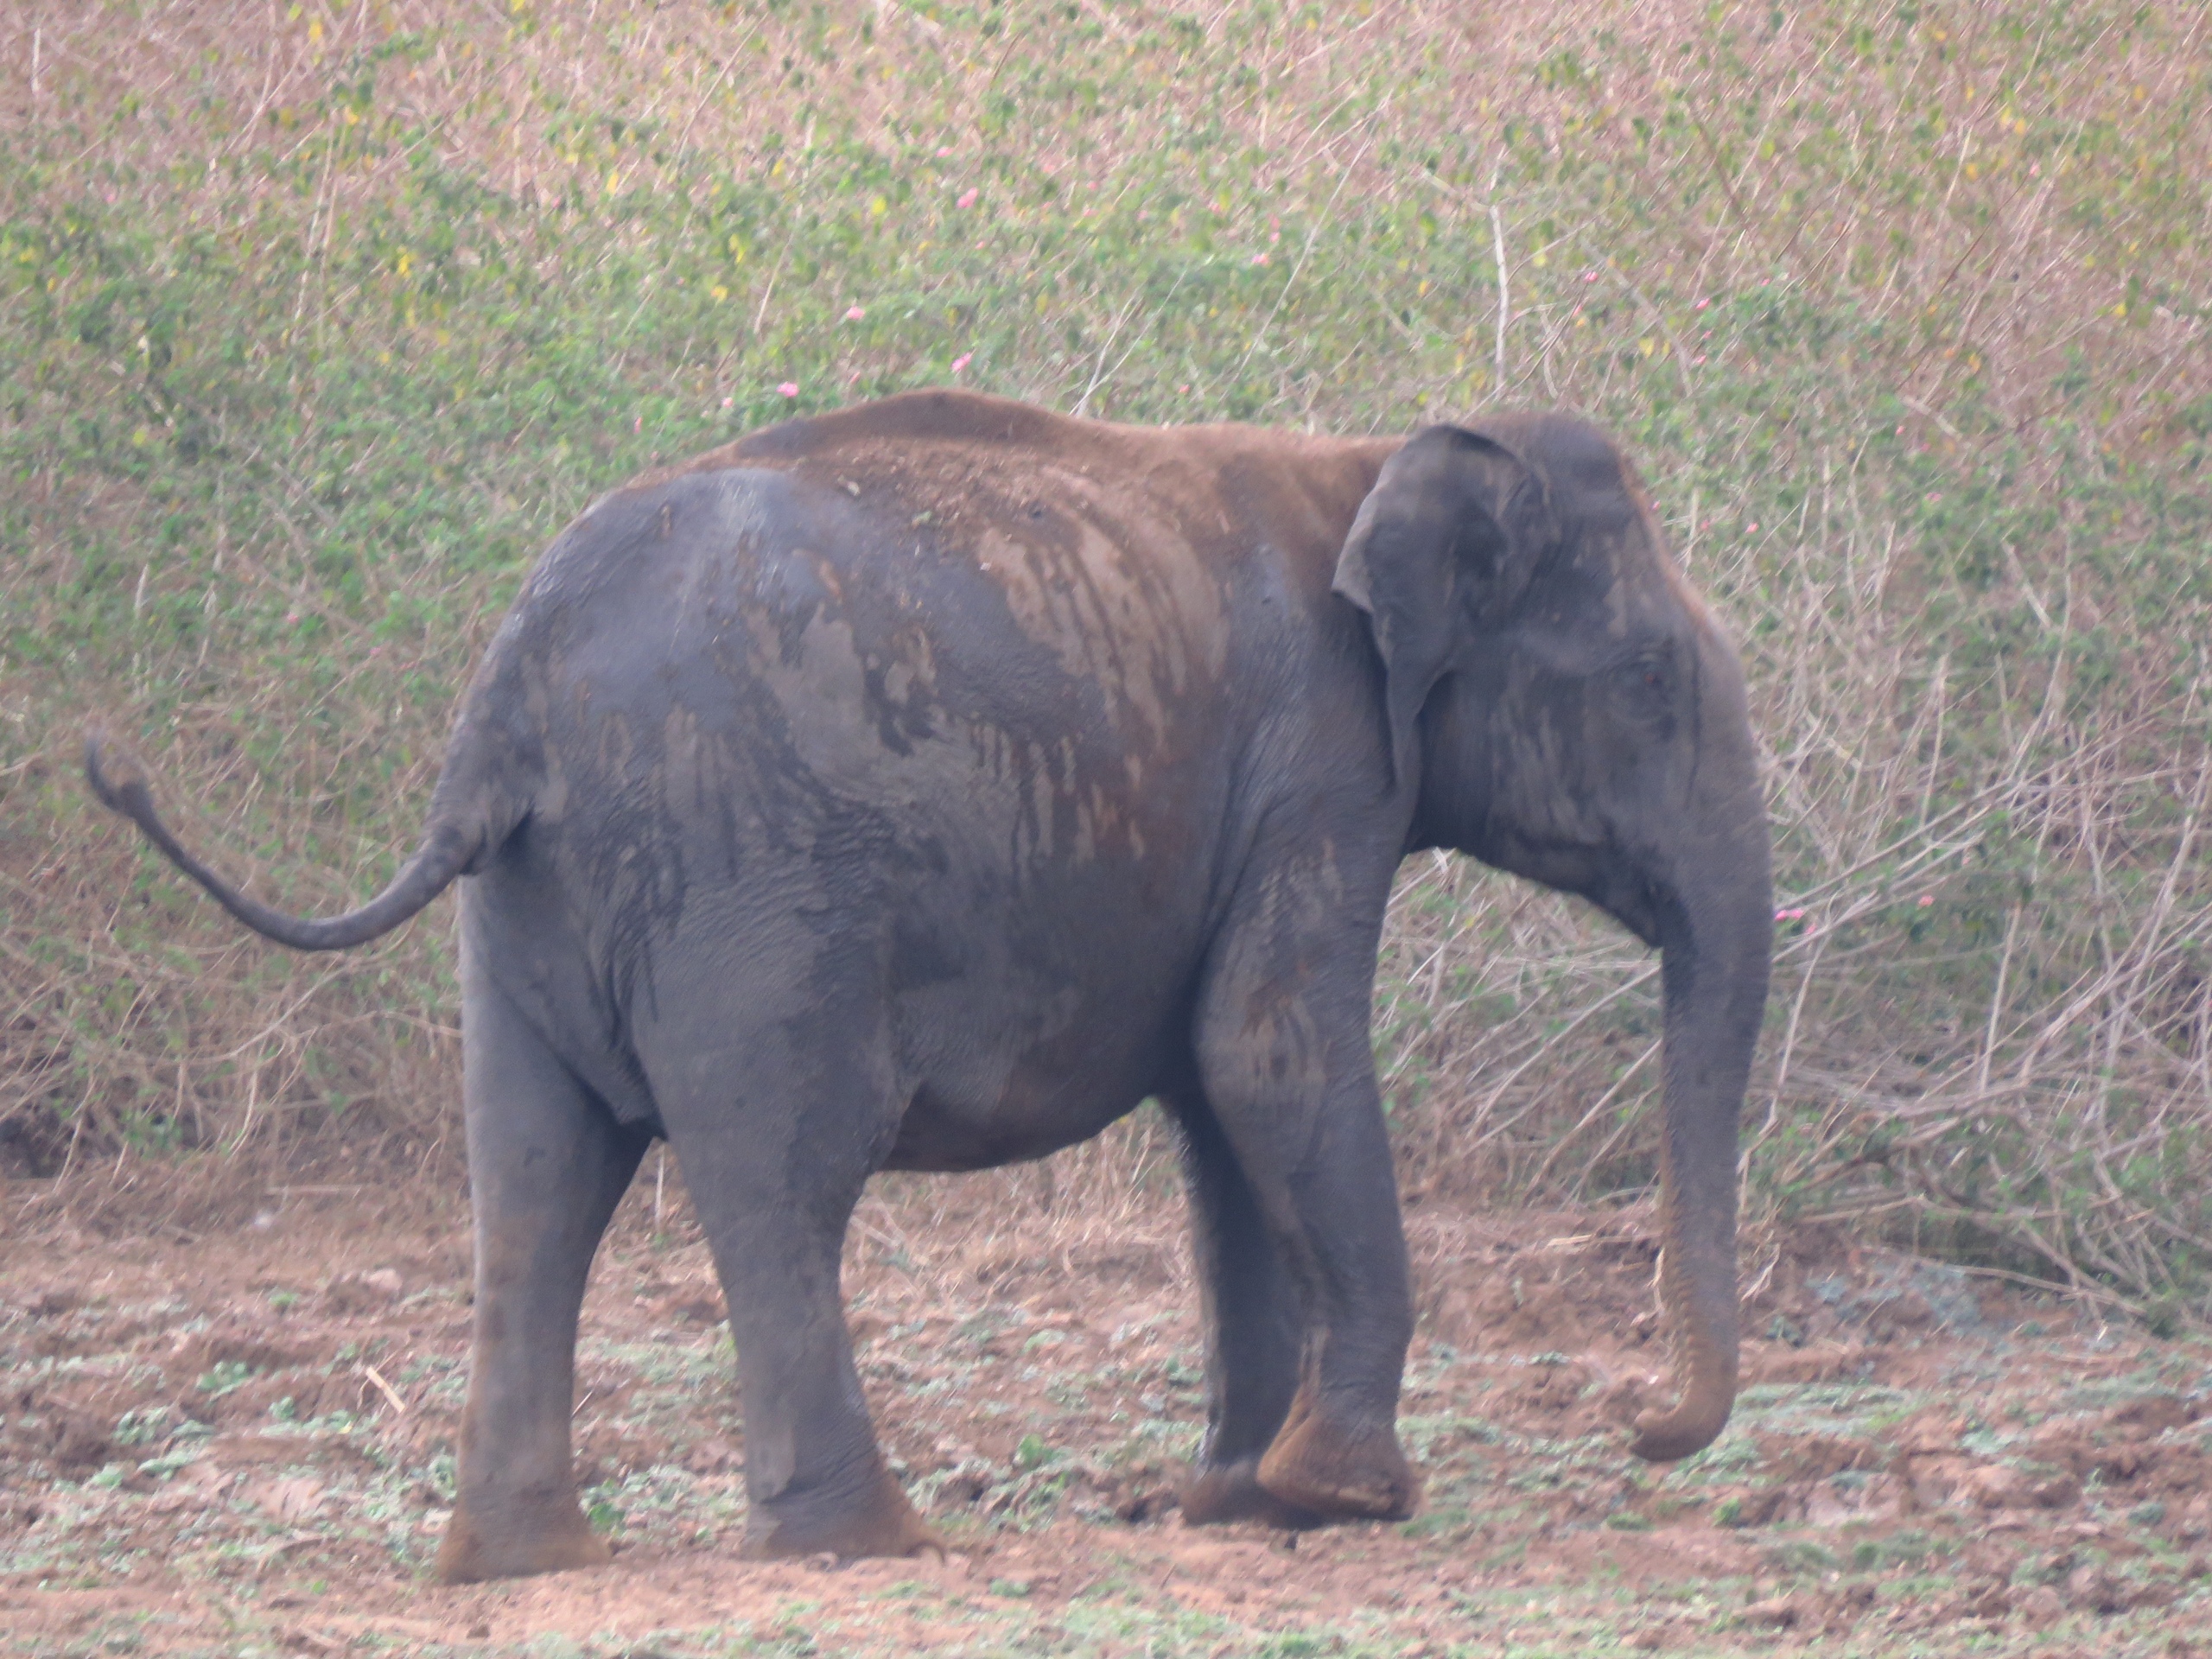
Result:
x=1715 y=948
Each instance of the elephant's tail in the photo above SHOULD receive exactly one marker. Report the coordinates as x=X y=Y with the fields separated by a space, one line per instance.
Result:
x=450 y=847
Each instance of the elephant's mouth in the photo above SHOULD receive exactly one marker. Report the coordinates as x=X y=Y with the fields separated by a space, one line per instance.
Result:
x=1638 y=904
x=1608 y=878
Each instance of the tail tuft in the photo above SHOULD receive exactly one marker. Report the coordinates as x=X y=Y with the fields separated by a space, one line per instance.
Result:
x=117 y=776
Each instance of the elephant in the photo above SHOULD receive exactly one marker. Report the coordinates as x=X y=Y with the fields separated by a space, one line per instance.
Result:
x=925 y=784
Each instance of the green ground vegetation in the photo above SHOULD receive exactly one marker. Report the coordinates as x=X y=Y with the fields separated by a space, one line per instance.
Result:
x=312 y=333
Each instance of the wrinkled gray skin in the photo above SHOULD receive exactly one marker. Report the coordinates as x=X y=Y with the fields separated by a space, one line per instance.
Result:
x=924 y=785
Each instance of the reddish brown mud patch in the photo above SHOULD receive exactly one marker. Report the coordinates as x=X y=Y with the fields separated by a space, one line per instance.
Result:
x=241 y=1442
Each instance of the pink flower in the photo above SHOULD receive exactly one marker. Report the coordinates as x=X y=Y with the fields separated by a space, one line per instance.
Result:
x=1259 y=258
x=1925 y=899
x=1796 y=913
x=963 y=361
x=1589 y=276
x=638 y=425
x=1752 y=528
x=944 y=150
x=727 y=401
x=967 y=198
x=854 y=314
x=1701 y=304
x=789 y=389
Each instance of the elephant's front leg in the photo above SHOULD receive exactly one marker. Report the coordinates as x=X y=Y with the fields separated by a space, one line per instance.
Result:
x=1285 y=1061
x=547 y=1164
x=1254 y=1326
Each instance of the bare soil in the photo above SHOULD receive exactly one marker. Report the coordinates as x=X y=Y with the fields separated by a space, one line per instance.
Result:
x=240 y=1442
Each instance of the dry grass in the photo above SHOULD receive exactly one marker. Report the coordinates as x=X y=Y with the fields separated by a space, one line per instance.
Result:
x=1904 y=309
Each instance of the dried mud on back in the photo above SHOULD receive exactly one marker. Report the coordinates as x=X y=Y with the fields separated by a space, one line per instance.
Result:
x=241 y=1442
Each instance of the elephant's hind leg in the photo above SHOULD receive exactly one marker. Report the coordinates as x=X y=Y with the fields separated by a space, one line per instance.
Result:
x=547 y=1164
x=775 y=1127
x=1255 y=1326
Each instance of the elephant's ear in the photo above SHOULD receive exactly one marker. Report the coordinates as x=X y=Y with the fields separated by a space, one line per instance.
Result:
x=1443 y=545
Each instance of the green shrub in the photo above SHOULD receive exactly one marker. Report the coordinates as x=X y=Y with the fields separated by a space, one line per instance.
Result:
x=1901 y=307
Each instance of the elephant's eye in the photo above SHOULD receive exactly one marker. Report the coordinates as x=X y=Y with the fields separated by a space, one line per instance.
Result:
x=1646 y=683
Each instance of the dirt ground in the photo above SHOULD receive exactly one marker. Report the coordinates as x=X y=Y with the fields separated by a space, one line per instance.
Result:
x=241 y=1443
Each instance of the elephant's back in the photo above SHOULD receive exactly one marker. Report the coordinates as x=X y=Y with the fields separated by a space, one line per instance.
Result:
x=942 y=586
x=740 y=660
x=1055 y=636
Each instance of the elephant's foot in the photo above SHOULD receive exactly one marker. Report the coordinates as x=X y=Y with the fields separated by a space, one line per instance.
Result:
x=1341 y=1475
x=878 y=1521
x=1232 y=1491
x=517 y=1539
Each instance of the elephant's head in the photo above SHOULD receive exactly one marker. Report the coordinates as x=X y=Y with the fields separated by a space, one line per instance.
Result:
x=1568 y=711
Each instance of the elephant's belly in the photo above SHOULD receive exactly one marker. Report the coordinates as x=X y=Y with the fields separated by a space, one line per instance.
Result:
x=971 y=1113
x=936 y=1134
